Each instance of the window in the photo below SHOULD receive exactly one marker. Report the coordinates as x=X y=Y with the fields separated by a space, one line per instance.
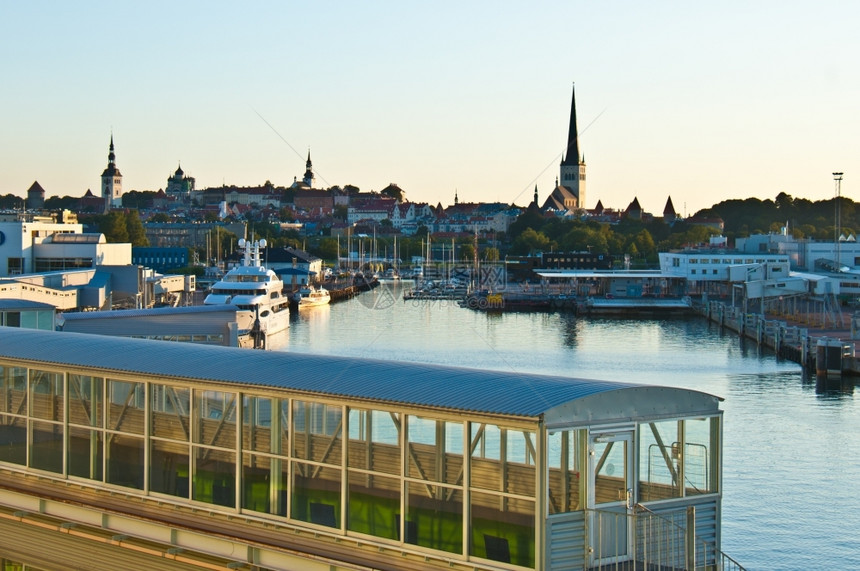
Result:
x=15 y=266
x=434 y=485
x=565 y=460
x=678 y=458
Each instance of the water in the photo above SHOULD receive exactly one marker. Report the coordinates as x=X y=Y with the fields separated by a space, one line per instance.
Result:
x=790 y=451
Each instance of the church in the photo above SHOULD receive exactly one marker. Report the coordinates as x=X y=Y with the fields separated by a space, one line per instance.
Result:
x=569 y=193
x=111 y=182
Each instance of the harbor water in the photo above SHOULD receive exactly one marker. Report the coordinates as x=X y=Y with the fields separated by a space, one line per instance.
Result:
x=791 y=446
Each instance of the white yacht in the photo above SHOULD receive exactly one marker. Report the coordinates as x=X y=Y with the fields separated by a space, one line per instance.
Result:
x=312 y=296
x=257 y=291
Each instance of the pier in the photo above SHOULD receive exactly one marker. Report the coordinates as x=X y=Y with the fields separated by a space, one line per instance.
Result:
x=799 y=339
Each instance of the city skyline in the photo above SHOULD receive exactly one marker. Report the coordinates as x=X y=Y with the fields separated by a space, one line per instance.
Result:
x=700 y=103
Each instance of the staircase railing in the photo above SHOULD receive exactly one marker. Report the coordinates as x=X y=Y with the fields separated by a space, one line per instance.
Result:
x=660 y=541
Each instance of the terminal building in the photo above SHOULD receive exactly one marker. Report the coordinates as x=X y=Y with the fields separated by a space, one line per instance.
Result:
x=148 y=452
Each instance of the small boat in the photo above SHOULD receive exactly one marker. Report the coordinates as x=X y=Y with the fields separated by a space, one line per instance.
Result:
x=312 y=296
x=256 y=291
x=390 y=275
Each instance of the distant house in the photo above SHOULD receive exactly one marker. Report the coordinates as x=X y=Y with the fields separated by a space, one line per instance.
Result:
x=308 y=199
x=295 y=266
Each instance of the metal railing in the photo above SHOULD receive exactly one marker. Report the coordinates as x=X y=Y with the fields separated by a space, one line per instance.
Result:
x=654 y=542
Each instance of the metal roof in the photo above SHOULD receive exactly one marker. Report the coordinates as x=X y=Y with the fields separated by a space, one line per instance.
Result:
x=590 y=274
x=18 y=304
x=411 y=384
x=126 y=313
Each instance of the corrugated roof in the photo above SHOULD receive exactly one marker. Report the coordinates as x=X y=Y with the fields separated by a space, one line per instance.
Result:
x=491 y=392
x=18 y=304
x=125 y=313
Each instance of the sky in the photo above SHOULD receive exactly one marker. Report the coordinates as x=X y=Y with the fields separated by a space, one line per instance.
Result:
x=700 y=102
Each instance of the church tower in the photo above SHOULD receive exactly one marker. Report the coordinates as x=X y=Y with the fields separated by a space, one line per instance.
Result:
x=112 y=182
x=308 y=179
x=572 y=163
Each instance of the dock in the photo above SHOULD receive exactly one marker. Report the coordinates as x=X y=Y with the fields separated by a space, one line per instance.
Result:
x=797 y=338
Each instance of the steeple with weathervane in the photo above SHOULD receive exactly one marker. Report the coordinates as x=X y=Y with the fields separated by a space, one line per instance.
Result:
x=112 y=181
x=308 y=179
x=572 y=163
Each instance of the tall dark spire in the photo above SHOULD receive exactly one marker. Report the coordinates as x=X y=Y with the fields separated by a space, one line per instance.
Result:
x=309 y=171
x=111 y=169
x=571 y=156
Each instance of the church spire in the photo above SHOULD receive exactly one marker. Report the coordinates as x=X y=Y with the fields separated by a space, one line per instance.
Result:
x=112 y=181
x=111 y=155
x=309 y=171
x=572 y=168
x=571 y=156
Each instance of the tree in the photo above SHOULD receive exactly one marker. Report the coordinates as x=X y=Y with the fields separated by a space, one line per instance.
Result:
x=394 y=192
x=327 y=249
x=113 y=226
x=531 y=241
x=491 y=254
x=644 y=243
x=467 y=252
x=134 y=229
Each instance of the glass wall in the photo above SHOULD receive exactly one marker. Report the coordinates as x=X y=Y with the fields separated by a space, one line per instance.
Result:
x=502 y=478
x=86 y=427
x=434 y=482
x=13 y=414
x=170 y=437
x=213 y=448
x=124 y=436
x=317 y=431
x=374 y=463
x=566 y=463
x=678 y=458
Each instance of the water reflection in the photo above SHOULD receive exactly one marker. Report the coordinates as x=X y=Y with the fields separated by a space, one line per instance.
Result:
x=790 y=441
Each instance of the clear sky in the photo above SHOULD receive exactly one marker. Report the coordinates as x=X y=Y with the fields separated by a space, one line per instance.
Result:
x=700 y=101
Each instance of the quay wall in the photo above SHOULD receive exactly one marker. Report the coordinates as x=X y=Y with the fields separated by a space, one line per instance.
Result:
x=788 y=340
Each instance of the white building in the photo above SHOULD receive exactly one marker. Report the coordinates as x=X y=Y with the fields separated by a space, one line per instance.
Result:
x=723 y=265
x=20 y=233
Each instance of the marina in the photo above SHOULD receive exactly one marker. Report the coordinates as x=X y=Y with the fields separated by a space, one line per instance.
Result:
x=783 y=434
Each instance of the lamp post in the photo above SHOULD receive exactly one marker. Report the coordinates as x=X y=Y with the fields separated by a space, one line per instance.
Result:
x=837 y=177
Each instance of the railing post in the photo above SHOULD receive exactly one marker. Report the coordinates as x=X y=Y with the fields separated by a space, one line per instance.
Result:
x=690 y=539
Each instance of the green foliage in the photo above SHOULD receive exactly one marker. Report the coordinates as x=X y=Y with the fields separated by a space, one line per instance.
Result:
x=531 y=241
x=491 y=255
x=64 y=203
x=326 y=249
x=138 y=198
x=11 y=202
x=394 y=192
x=113 y=226
x=134 y=229
x=467 y=252
x=816 y=220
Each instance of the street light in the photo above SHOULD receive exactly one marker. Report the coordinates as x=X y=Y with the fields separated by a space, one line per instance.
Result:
x=837 y=177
